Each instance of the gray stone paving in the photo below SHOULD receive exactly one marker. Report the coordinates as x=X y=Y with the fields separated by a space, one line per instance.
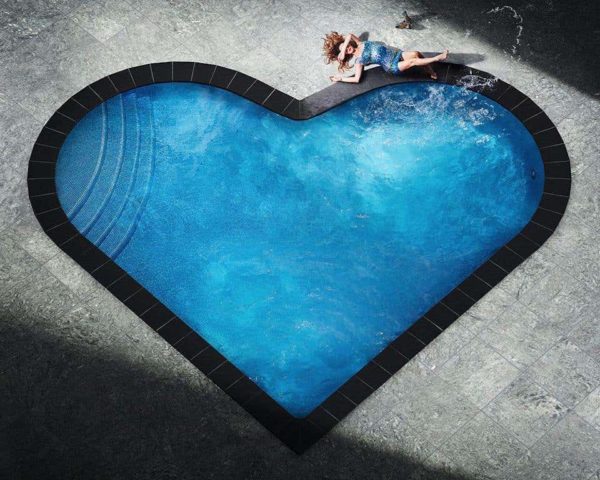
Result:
x=511 y=391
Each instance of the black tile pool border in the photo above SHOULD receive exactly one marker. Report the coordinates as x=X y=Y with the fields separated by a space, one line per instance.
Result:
x=297 y=434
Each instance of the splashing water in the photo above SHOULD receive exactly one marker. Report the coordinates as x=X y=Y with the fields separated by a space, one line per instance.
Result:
x=476 y=82
x=517 y=17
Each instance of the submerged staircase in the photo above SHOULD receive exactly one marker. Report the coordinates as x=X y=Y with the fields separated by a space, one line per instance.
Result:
x=109 y=204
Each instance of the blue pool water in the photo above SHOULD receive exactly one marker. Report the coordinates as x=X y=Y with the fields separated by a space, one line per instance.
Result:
x=299 y=249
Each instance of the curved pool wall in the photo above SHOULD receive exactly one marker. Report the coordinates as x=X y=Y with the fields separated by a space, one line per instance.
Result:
x=115 y=195
x=299 y=250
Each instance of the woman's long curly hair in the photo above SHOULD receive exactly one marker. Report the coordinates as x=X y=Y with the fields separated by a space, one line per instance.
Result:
x=331 y=49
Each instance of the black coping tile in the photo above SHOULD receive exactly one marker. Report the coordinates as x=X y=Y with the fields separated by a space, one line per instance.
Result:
x=88 y=98
x=457 y=301
x=191 y=345
x=495 y=89
x=225 y=375
x=424 y=330
x=278 y=101
x=174 y=330
x=298 y=434
x=203 y=72
x=243 y=390
x=44 y=202
x=292 y=435
x=538 y=122
x=104 y=88
x=240 y=83
x=536 y=233
x=84 y=252
x=441 y=315
x=62 y=235
x=454 y=72
x=506 y=259
x=73 y=110
x=522 y=246
x=43 y=153
x=547 y=138
x=526 y=110
x=511 y=98
x=268 y=412
x=162 y=72
x=182 y=71
x=258 y=92
x=390 y=360
x=557 y=170
x=41 y=170
x=490 y=273
x=474 y=287
x=208 y=359
x=221 y=77
x=157 y=316
x=61 y=123
x=141 y=301
x=546 y=218
x=50 y=138
x=356 y=390
x=322 y=419
x=107 y=273
x=52 y=218
x=556 y=153
x=122 y=80
x=124 y=287
x=310 y=434
x=558 y=186
x=373 y=375
x=338 y=405
x=142 y=75
x=555 y=203
x=293 y=110
x=41 y=186
x=408 y=345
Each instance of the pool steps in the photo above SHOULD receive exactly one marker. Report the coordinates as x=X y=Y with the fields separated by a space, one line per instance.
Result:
x=104 y=214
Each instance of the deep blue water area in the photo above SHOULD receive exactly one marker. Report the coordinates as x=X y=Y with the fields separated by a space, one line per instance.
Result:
x=299 y=249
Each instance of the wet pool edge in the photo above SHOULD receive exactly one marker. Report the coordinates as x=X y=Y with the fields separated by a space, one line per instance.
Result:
x=297 y=434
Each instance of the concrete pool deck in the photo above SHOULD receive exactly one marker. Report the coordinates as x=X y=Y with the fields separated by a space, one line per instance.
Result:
x=511 y=390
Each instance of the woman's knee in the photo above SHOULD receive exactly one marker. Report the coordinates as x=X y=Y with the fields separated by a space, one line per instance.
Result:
x=406 y=64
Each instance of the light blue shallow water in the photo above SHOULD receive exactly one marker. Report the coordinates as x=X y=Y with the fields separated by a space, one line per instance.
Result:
x=299 y=249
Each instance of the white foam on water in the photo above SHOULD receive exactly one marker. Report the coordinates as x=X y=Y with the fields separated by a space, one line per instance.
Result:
x=476 y=82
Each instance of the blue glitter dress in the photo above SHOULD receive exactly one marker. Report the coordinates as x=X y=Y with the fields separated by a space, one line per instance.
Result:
x=382 y=54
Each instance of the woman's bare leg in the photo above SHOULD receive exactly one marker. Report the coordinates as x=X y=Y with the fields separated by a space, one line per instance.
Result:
x=411 y=54
x=416 y=59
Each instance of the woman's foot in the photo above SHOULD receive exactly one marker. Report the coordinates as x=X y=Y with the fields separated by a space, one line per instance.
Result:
x=431 y=72
x=443 y=55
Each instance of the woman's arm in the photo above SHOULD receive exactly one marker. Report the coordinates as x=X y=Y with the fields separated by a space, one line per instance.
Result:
x=347 y=38
x=358 y=70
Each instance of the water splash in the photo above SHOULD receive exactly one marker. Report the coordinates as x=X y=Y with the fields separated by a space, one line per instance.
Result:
x=476 y=82
x=519 y=20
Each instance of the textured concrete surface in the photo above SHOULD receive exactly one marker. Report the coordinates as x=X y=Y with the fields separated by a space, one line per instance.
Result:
x=510 y=391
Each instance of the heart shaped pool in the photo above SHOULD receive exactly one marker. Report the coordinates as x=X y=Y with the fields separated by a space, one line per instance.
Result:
x=299 y=249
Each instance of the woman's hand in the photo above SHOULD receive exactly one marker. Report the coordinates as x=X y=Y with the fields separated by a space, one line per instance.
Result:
x=343 y=47
x=335 y=78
